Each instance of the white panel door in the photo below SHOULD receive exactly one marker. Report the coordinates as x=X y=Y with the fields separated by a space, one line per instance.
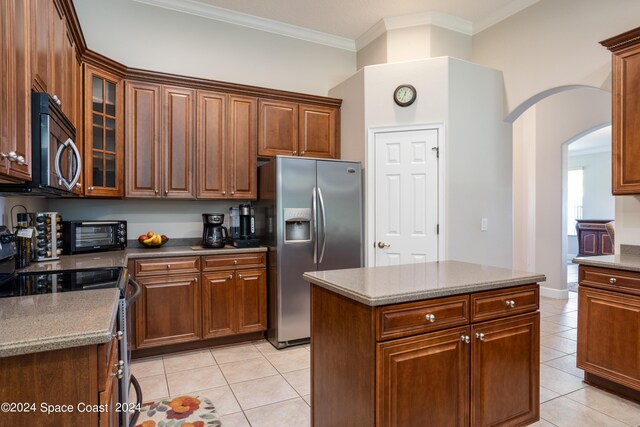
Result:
x=406 y=197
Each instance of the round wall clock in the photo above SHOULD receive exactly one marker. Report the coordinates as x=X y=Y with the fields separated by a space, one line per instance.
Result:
x=405 y=95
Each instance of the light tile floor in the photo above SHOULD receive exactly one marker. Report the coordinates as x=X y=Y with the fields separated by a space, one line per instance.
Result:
x=256 y=385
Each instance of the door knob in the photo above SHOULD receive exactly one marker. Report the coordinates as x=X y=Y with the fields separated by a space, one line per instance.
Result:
x=480 y=336
x=465 y=339
x=383 y=245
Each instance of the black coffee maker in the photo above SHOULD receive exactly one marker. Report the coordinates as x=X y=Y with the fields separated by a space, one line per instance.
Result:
x=214 y=235
x=243 y=227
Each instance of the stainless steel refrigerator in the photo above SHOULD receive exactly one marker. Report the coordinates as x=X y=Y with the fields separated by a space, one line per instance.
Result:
x=309 y=214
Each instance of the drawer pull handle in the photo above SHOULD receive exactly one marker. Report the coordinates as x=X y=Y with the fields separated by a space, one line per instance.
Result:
x=510 y=303
x=235 y=261
x=430 y=317
x=612 y=280
x=465 y=339
x=480 y=336
x=118 y=335
x=119 y=373
x=168 y=266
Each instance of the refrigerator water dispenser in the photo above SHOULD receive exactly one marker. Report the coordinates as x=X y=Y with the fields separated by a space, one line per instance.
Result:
x=297 y=225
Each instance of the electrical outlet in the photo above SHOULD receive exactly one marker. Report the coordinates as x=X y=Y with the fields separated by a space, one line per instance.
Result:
x=484 y=224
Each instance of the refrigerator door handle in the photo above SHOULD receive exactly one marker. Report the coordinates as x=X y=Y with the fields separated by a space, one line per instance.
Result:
x=324 y=225
x=314 y=213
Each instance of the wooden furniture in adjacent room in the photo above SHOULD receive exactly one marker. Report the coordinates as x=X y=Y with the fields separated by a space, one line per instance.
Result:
x=626 y=109
x=593 y=237
x=608 y=325
x=189 y=299
x=467 y=359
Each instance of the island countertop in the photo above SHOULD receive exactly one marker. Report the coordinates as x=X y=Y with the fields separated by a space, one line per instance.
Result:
x=46 y=322
x=375 y=286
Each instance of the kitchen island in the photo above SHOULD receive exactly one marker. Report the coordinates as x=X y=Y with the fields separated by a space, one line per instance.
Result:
x=441 y=343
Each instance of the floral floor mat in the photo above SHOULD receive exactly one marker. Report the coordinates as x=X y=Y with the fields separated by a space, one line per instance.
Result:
x=182 y=411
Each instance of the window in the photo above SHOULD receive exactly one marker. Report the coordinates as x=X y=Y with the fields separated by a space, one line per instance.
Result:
x=575 y=193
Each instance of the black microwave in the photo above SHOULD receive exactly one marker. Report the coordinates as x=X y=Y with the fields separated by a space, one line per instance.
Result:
x=93 y=236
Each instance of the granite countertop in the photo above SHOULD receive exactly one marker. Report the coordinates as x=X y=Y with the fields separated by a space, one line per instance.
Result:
x=629 y=262
x=120 y=258
x=376 y=286
x=31 y=324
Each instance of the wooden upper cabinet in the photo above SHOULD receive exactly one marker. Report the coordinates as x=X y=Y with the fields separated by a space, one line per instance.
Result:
x=143 y=140
x=41 y=36
x=15 y=93
x=291 y=129
x=178 y=142
x=242 y=144
x=103 y=133
x=318 y=135
x=626 y=110
x=211 y=140
x=278 y=128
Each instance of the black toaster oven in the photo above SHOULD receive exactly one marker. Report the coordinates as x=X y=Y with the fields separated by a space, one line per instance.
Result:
x=93 y=236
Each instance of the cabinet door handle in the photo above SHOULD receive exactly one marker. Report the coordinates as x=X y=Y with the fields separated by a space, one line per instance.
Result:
x=612 y=280
x=20 y=160
x=239 y=276
x=430 y=317
x=90 y=188
x=510 y=303
x=233 y=192
x=465 y=339
x=230 y=276
x=295 y=152
x=166 y=192
x=118 y=335
x=224 y=192
x=168 y=266
x=480 y=336
x=156 y=191
x=119 y=373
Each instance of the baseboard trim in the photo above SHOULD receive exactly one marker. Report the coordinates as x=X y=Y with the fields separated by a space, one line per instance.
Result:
x=554 y=293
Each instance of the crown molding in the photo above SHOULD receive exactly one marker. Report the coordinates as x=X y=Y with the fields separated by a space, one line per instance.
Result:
x=501 y=14
x=254 y=22
x=405 y=21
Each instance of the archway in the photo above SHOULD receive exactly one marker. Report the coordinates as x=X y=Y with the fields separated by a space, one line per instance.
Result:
x=539 y=134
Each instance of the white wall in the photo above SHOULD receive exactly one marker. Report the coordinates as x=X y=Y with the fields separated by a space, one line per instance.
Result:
x=597 y=203
x=468 y=100
x=554 y=43
x=176 y=219
x=158 y=39
x=539 y=135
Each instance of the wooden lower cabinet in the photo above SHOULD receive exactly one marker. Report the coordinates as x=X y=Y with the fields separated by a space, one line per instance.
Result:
x=182 y=303
x=251 y=300
x=505 y=371
x=608 y=339
x=168 y=311
x=218 y=302
x=483 y=373
x=423 y=380
x=78 y=376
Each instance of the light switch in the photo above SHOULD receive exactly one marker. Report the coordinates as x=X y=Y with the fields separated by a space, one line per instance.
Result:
x=484 y=224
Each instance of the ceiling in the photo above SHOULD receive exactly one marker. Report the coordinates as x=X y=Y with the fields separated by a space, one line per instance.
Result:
x=349 y=19
x=598 y=141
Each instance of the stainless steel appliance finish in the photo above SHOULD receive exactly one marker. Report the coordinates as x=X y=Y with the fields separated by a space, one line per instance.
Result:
x=93 y=236
x=56 y=162
x=309 y=213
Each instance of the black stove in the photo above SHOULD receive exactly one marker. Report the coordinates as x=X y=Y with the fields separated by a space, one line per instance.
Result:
x=16 y=284
x=49 y=282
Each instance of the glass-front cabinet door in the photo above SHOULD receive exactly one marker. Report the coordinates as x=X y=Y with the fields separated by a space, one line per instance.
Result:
x=104 y=133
